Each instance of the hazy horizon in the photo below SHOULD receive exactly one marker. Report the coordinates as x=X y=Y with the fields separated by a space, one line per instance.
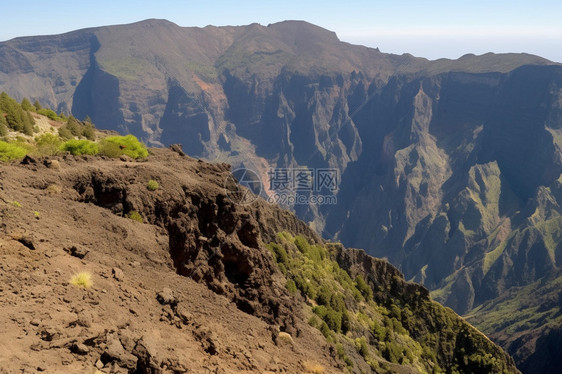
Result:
x=431 y=29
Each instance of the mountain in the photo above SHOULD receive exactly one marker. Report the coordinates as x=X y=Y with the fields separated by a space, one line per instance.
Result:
x=449 y=168
x=103 y=271
x=526 y=320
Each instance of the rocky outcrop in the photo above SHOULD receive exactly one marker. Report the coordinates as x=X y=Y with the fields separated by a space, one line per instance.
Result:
x=211 y=239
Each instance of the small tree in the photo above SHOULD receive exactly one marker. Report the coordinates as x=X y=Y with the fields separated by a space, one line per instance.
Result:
x=3 y=127
x=74 y=126
x=28 y=123
x=88 y=131
x=26 y=105
x=65 y=133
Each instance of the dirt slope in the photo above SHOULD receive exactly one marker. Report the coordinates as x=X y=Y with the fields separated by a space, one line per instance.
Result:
x=192 y=288
x=49 y=233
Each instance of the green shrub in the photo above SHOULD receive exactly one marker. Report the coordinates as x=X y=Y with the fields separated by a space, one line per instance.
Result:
x=320 y=311
x=337 y=302
x=3 y=127
x=340 y=351
x=26 y=105
x=345 y=322
x=329 y=316
x=362 y=347
x=378 y=331
x=291 y=286
x=28 y=123
x=302 y=244
x=392 y=352
x=15 y=117
x=115 y=146
x=135 y=216
x=314 y=321
x=65 y=133
x=333 y=320
x=11 y=151
x=152 y=185
x=325 y=330
x=48 y=144
x=363 y=287
x=74 y=126
x=80 y=147
x=49 y=113
x=324 y=295
x=88 y=131
x=280 y=253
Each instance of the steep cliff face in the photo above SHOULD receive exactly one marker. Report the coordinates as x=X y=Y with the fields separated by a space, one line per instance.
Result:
x=455 y=177
x=450 y=169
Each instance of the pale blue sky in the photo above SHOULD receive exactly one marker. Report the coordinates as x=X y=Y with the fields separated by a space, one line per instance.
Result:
x=426 y=28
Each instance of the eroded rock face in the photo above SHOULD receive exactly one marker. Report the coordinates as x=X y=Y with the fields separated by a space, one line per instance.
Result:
x=402 y=132
x=211 y=239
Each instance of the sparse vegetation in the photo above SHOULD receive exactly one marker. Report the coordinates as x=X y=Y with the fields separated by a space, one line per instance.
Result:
x=16 y=204
x=115 y=146
x=80 y=147
x=83 y=280
x=12 y=151
x=50 y=114
x=152 y=185
x=74 y=136
x=286 y=338
x=382 y=326
x=53 y=188
x=15 y=117
x=48 y=145
x=74 y=128
x=135 y=216
x=314 y=368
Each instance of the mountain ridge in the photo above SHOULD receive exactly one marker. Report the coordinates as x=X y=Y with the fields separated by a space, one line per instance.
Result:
x=448 y=168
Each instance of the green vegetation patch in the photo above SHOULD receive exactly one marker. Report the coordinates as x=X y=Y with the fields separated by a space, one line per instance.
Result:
x=13 y=116
x=116 y=146
x=135 y=216
x=80 y=147
x=380 y=325
x=12 y=151
x=152 y=185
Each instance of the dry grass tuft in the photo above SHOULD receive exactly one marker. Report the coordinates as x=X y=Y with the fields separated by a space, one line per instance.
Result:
x=83 y=279
x=314 y=368
x=285 y=338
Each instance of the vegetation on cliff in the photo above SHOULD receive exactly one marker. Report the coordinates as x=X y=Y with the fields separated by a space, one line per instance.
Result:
x=57 y=134
x=380 y=321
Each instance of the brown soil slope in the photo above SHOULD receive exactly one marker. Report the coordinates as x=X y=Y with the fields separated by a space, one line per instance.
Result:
x=51 y=229
x=191 y=289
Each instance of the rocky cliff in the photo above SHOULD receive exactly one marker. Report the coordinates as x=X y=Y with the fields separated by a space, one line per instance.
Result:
x=449 y=168
x=187 y=283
